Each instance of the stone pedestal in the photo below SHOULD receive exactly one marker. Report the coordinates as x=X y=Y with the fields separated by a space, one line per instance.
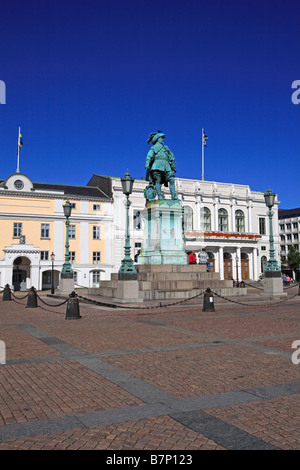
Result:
x=273 y=285
x=127 y=292
x=66 y=285
x=163 y=234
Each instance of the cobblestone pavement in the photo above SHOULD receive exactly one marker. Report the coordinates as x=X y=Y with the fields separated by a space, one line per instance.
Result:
x=173 y=378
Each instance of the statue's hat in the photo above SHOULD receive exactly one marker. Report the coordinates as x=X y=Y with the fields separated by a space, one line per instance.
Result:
x=154 y=136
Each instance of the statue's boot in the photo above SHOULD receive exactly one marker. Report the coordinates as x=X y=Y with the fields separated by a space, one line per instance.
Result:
x=158 y=190
x=172 y=190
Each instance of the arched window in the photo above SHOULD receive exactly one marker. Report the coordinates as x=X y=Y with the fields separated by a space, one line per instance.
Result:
x=263 y=263
x=223 y=220
x=206 y=219
x=188 y=218
x=240 y=221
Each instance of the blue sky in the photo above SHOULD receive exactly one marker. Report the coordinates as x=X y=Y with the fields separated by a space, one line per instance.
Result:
x=88 y=81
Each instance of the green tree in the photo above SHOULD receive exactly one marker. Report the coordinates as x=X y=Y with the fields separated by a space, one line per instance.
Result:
x=293 y=259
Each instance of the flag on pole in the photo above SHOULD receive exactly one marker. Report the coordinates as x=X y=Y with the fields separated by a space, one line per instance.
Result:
x=204 y=138
x=20 y=144
x=20 y=138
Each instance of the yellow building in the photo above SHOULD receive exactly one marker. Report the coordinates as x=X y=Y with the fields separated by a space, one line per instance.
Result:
x=33 y=229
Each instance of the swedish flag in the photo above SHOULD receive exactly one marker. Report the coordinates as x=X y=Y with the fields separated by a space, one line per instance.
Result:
x=204 y=138
x=20 y=139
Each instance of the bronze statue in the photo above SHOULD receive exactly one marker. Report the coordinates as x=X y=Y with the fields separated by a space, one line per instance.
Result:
x=160 y=166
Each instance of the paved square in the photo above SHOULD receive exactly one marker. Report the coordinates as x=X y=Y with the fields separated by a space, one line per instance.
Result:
x=173 y=378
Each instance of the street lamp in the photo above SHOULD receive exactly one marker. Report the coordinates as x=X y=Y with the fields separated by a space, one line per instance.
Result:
x=272 y=265
x=52 y=272
x=237 y=270
x=127 y=270
x=67 y=271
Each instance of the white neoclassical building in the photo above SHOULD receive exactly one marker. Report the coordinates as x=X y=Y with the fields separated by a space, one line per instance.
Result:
x=227 y=221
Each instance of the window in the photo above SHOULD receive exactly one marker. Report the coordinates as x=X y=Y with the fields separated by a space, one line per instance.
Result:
x=240 y=221
x=96 y=207
x=72 y=256
x=289 y=236
x=262 y=226
x=188 y=218
x=223 y=220
x=44 y=255
x=282 y=238
x=206 y=219
x=282 y=247
x=45 y=230
x=288 y=226
x=137 y=221
x=75 y=277
x=73 y=205
x=96 y=232
x=281 y=226
x=96 y=276
x=295 y=236
x=263 y=263
x=19 y=184
x=46 y=277
x=96 y=257
x=72 y=231
x=18 y=229
x=295 y=225
x=264 y=248
x=296 y=247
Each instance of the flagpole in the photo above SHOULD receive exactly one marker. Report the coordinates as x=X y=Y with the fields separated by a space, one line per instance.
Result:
x=202 y=155
x=18 y=169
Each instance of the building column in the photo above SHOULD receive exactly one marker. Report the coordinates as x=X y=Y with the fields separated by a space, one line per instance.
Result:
x=215 y=218
x=232 y=208
x=239 y=264
x=221 y=263
x=255 y=265
x=250 y=217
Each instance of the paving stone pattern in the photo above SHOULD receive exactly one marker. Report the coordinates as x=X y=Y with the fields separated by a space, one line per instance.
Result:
x=174 y=378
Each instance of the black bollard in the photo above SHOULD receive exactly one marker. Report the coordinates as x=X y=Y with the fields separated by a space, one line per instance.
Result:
x=208 y=301
x=6 y=293
x=73 y=307
x=32 y=298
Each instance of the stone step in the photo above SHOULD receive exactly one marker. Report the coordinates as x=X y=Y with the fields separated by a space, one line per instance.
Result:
x=185 y=276
x=183 y=285
x=108 y=291
x=171 y=268
x=181 y=295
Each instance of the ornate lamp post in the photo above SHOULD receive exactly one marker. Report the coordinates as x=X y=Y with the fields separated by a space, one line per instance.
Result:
x=52 y=272
x=237 y=270
x=127 y=270
x=67 y=271
x=272 y=265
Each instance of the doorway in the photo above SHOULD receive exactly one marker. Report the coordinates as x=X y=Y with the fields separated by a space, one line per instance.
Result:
x=21 y=271
x=245 y=266
x=227 y=266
